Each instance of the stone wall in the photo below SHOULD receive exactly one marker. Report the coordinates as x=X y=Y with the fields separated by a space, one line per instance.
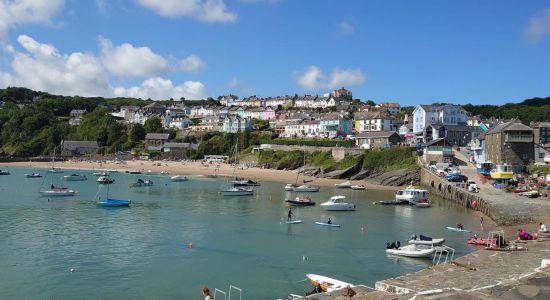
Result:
x=453 y=191
x=338 y=153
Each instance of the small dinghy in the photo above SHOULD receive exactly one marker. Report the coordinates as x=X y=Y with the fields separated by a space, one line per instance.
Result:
x=100 y=174
x=33 y=175
x=113 y=203
x=412 y=251
x=75 y=177
x=58 y=193
x=140 y=183
x=425 y=240
x=457 y=229
x=179 y=178
x=300 y=201
x=327 y=284
x=327 y=224
x=238 y=191
x=359 y=187
x=4 y=172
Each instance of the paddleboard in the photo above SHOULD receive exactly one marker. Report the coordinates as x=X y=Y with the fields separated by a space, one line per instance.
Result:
x=327 y=224
x=294 y=222
x=458 y=229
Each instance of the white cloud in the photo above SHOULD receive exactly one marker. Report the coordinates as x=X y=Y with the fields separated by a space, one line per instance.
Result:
x=102 y=6
x=212 y=11
x=191 y=63
x=127 y=60
x=538 y=27
x=42 y=67
x=313 y=78
x=19 y=12
x=346 y=27
x=160 y=88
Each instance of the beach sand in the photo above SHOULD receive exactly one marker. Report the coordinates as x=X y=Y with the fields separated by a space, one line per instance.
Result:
x=196 y=168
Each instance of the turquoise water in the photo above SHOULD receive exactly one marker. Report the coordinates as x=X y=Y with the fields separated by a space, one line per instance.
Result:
x=142 y=252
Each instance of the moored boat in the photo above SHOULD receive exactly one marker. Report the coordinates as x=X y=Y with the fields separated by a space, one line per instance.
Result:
x=105 y=180
x=178 y=178
x=481 y=241
x=300 y=201
x=306 y=188
x=4 y=172
x=75 y=177
x=140 y=183
x=33 y=175
x=502 y=172
x=426 y=241
x=134 y=172
x=327 y=284
x=100 y=174
x=412 y=251
x=343 y=185
x=412 y=195
x=338 y=203
x=359 y=187
x=58 y=192
x=238 y=191
x=113 y=203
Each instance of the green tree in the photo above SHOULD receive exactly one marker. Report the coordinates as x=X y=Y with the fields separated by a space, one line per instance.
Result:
x=137 y=133
x=153 y=125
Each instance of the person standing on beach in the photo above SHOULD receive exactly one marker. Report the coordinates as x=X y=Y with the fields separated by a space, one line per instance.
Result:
x=289 y=217
x=206 y=293
x=481 y=222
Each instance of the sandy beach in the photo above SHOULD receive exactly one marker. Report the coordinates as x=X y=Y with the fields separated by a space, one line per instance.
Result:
x=195 y=168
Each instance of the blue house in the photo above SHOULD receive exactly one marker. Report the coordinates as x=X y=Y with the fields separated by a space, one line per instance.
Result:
x=335 y=124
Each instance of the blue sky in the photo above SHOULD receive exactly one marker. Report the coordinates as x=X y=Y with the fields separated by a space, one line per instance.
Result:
x=405 y=51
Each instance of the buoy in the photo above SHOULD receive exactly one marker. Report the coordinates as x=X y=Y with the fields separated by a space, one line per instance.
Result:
x=72 y=270
x=362 y=228
x=190 y=245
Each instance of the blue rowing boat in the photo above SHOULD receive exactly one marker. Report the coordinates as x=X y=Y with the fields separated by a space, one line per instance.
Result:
x=113 y=203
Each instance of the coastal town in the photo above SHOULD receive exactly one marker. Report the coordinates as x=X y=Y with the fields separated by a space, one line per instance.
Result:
x=274 y=149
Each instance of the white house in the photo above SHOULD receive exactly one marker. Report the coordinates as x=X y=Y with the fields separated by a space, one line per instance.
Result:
x=392 y=107
x=367 y=121
x=424 y=115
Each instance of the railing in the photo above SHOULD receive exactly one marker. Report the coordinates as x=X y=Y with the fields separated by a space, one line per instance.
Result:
x=443 y=250
x=231 y=288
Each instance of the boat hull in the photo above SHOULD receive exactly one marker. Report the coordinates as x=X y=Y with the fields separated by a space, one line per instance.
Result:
x=75 y=178
x=60 y=193
x=178 y=178
x=113 y=203
x=502 y=175
x=358 y=187
x=412 y=251
x=433 y=242
x=348 y=207
x=327 y=284
x=327 y=224
x=237 y=193
x=299 y=203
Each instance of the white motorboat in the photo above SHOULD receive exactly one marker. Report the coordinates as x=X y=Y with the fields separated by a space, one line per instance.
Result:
x=134 y=172
x=343 y=185
x=412 y=251
x=141 y=182
x=105 y=180
x=55 y=170
x=178 y=178
x=4 y=172
x=426 y=241
x=57 y=193
x=338 y=203
x=75 y=177
x=290 y=187
x=412 y=194
x=307 y=188
x=33 y=175
x=238 y=191
x=327 y=284
x=164 y=173
x=101 y=174
x=359 y=187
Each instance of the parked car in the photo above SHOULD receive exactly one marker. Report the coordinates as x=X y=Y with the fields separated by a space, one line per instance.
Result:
x=456 y=177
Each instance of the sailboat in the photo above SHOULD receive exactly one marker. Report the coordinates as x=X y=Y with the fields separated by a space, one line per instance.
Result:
x=237 y=190
x=304 y=187
x=57 y=191
x=110 y=202
x=53 y=169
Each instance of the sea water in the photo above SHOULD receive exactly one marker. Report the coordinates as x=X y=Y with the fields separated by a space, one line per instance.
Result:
x=180 y=236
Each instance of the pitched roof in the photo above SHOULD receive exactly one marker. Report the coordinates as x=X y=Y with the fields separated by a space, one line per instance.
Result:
x=157 y=136
x=512 y=125
x=176 y=145
x=440 y=140
x=369 y=115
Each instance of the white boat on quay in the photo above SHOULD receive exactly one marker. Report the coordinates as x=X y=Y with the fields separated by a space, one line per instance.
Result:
x=327 y=284
x=412 y=250
x=337 y=203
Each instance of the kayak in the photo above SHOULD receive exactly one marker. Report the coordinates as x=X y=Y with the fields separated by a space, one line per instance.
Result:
x=327 y=224
x=458 y=229
x=293 y=222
